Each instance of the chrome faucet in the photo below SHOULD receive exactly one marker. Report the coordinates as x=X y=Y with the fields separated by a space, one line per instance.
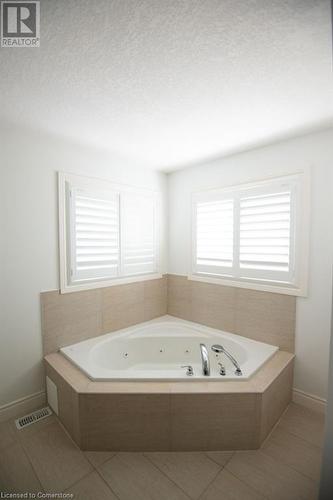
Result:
x=205 y=360
x=219 y=348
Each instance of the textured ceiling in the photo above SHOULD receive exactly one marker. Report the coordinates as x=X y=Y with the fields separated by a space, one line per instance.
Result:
x=170 y=82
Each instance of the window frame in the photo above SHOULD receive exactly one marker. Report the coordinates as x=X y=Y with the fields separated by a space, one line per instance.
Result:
x=301 y=207
x=65 y=247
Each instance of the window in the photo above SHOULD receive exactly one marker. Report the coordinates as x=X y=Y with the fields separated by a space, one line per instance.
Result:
x=253 y=235
x=108 y=233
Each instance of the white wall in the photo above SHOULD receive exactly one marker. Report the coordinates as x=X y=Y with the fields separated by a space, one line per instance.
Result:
x=313 y=312
x=29 y=240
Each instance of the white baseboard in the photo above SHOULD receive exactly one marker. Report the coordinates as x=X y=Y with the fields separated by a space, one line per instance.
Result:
x=22 y=406
x=309 y=401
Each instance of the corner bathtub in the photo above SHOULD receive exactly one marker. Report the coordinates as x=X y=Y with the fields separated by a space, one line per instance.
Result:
x=157 y=350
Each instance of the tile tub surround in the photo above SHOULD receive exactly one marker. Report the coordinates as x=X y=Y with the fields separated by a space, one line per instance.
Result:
x=263 y=316
x=73 y=317
x=171 y=416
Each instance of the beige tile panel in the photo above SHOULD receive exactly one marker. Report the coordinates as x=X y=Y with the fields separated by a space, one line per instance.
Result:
x=272 y=369
x=92 y=487
x=271 y=478
x=213 y=305
x=267 y=317
x=67 y=403
x=155 y=298
x=227 y=487
x=192 y=472
x=133 y=477
x=69 y=318
x=214 y=421
x=225 y=387
x=122 y=306
x=295 y=452
x=67 y=371
x=56 y=460
x=179 y=297
x=129 y=387
x=73 y=317
x=130 y=422
x=275 y=400
x=263 y=316
x=16 y=473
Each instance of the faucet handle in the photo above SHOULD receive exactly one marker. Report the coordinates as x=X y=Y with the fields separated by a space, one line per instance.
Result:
x=189 y=371
x=222 y=368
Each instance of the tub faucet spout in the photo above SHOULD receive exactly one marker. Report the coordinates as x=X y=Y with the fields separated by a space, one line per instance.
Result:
x=205 y=360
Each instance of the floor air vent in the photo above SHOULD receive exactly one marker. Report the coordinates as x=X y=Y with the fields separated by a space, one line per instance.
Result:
x=33 y=417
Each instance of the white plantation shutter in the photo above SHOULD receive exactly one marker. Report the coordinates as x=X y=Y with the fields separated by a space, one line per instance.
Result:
x=214 y=236
x=95 y=234
x=108 y=233
x=251 y=233
x=265 y=235
x=139 y=248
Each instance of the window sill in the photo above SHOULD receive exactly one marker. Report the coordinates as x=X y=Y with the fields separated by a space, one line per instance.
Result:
x=65 y=288
x=264 y=287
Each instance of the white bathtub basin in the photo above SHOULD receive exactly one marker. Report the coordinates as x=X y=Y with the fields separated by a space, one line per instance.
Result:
x=156 y=350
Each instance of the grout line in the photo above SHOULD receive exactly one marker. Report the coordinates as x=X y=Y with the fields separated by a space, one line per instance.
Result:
x=287 y=431
x=99 y=451
x=274 y=427
x=100 y=473
x=107 y=484
x=213 y=479
x=76 y=482
x=164 y=474
x=247 y=485
x=73 y=442
x=290 y=467
x=290 y=434
x=32 y=466
x=215 y=462
x=287 y=466
x=302 y=439
x=222 y=467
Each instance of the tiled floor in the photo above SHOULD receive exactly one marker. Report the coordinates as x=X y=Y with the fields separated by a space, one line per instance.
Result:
x=42 y=457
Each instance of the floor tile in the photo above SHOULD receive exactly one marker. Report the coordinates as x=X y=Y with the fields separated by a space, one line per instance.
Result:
x=16 y=473
x=304 y=423
x=97 y=458
x=220 y=457
x=36 y=427
x=190 y=471
x=56 y=459
x=133 y=477
x=91 y=487
x=295 y=452
x=271 y=478
x=8 y=434
x=228 y=487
